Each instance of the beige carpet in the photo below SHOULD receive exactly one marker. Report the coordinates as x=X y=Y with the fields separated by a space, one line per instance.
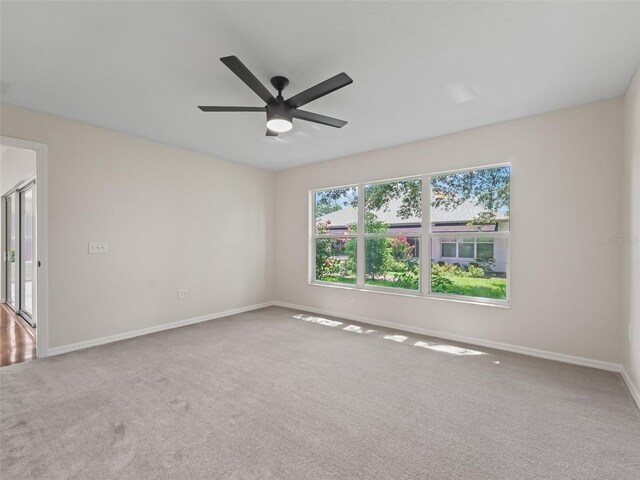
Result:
x=273 y=394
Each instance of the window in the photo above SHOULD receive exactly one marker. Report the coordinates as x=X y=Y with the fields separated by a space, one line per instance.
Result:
x=466 y=247
x=392 y=225
x=449 y=248
x=469 y=233
x=371 y=236
x=484 y=247
x=335 y=223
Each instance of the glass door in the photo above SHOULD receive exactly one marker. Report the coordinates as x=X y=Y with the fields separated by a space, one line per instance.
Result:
x=27 y=244
x=11 y=250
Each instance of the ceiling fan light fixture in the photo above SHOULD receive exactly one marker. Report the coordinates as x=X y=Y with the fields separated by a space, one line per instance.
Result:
x=279 y=117
x=279 y=125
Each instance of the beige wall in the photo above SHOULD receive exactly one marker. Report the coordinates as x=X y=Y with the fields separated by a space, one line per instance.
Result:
x=16 y=165
x=566 y=203
x=177 y=219
x=172 y=219
x=631 y=242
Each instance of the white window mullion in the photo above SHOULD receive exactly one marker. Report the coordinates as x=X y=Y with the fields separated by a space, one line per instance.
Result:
x=425 y=233
x=360 y=256
x=312 y=236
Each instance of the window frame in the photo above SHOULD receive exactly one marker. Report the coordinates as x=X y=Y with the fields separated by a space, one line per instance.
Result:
x=424 y=235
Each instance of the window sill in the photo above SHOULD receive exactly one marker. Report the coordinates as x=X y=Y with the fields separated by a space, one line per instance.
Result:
x=485 y=302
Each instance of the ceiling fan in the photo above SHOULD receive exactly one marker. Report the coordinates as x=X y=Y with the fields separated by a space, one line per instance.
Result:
x=281 y=112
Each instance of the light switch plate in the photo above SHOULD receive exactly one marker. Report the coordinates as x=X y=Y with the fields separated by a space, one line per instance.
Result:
x=97 y=247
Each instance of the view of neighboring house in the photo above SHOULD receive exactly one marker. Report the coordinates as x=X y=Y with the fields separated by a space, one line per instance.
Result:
x=457 y=248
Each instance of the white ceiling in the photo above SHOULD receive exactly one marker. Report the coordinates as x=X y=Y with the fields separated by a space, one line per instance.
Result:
x=419 y=69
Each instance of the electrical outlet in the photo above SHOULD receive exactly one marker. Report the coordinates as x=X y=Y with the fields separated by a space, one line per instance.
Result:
x=182 y=293
x=97 y=247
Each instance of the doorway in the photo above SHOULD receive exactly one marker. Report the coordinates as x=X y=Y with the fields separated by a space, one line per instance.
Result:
x=19 y=207
x=22 y=279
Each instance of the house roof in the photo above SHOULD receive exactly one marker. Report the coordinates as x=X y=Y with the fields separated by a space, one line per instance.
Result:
x=465 y=212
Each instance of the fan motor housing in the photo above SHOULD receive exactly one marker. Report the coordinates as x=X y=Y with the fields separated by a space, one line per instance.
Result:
x=278 y=110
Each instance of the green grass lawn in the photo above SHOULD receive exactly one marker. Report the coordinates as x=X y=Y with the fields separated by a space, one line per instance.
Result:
x=349 y=280
x=352 y=281
x=495 y=288
x=478 y=287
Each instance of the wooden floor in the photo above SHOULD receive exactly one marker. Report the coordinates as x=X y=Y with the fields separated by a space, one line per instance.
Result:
x=17 y=339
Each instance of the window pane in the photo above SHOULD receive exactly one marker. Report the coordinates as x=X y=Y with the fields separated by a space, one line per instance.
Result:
x=483 y=276
x=449 y=250
x=336 y=260
x=392 y=262
x=484 y=250
x=465 y=250
x=471 y=201
x=393 y=207
x=336 y=211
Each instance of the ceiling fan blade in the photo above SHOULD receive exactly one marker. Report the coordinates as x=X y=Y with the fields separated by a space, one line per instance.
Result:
x=317 y=118
x=231 y=109
x=271 y=133
x=320 y=90
x=237 y=67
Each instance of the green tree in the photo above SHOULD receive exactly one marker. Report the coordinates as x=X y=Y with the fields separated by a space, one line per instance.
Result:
x=323 y=257
x=377 y=251
x=378 y=196
x=324 y=208
x=488 y=188
x=328 y=201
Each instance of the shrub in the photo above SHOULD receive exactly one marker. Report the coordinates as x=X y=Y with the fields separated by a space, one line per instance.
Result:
x=323 y=227
x=439 y=283
x=323 y=257
x=456 y=270
x=408 y=279
x=486 y=262
x=474 y=272
x=444 y=269
x=377 y=251
x=407 y=275
x=401 y=250
x=377 y=257
x=350 y=250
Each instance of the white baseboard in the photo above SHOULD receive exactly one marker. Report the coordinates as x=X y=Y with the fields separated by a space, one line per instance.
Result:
x=635 y=393
x=560 y=357
x=158 y=328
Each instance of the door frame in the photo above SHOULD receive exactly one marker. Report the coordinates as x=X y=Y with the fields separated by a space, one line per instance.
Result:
x=22 y=311
x=41 y=271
